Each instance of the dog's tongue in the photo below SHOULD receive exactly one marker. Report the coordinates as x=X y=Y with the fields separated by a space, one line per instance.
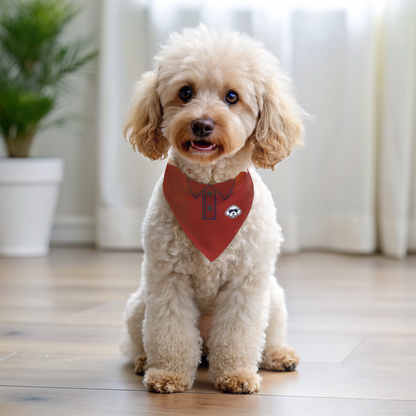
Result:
x=202 y=145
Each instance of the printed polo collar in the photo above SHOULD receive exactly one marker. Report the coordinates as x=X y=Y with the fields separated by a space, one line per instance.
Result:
x=223 y=188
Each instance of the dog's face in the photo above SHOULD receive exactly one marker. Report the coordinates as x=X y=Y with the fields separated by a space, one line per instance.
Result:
x=214 y=92
x=209 y=105
x=233 y=211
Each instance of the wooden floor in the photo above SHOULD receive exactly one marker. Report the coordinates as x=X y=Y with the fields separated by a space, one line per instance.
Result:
x=352 y=321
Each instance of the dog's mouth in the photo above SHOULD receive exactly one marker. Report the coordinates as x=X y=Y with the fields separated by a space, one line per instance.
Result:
x=200 y=146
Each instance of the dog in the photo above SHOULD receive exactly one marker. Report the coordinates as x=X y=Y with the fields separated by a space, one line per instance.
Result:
x=218 y=106
x=233 y=211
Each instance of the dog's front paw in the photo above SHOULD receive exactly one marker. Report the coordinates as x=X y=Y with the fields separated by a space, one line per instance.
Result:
x=280 y=359
x=164 y=381
x=241 y=381
x=139 y=364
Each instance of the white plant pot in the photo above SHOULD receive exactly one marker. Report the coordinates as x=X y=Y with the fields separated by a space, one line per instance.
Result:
x=28 y=195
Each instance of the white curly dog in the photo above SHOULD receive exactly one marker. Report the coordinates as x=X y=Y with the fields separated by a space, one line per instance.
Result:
x=217 y=104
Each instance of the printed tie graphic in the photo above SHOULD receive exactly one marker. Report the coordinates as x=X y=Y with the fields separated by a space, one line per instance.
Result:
x=210 y=215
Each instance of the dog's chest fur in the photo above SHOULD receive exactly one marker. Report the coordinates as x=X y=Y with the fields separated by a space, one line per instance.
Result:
x=248 y=254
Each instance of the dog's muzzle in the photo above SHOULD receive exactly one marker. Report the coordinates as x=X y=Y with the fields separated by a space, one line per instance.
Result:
x=202 y=127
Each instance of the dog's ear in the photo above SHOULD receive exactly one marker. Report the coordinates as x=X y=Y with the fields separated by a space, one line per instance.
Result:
x=279 y=126
x=142 y=128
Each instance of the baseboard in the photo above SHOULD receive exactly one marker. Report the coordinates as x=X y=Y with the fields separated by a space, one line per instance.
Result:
x=73 y=230
x=80 y=230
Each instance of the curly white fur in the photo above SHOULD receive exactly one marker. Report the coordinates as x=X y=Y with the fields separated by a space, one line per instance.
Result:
x=179 y=284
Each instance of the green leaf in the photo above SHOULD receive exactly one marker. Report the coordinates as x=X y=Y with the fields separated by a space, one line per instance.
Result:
x=35 y=65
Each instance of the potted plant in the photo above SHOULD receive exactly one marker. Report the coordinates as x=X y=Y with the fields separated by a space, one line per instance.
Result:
x=35 y=70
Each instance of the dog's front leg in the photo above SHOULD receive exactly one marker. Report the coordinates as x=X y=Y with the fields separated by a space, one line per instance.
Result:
x=171 y=337
x=237 y=337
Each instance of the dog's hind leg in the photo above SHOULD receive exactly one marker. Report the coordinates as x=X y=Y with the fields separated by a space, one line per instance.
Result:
x=277 y=356
x=132 y=342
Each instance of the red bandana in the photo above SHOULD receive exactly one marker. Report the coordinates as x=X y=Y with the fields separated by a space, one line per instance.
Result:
x=210 y=215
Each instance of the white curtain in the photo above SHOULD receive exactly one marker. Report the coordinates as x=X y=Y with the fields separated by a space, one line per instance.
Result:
x=352 y=188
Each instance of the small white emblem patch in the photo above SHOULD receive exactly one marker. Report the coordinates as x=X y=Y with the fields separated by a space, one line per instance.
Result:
x=233 y=211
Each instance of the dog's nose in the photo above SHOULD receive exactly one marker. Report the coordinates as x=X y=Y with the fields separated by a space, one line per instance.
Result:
x=203 y=127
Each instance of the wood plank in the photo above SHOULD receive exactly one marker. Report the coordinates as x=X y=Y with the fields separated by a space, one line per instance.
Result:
x=78 y=314
x=6 y=355
x=324 y=347
x=23 y=401
x=396 y=350
x=358 y=381
x=364 y=325
x=106 y=314
x=56 y=297
x=50 y=339
x=343 y=381
x=41 y=315
x=352 y=319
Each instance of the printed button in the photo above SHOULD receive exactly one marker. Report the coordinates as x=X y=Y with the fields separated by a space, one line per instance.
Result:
x=209 y=208
x=209 y=193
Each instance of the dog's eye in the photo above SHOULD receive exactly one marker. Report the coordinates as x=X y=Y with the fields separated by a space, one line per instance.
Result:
x=231 y=97
x=185 y=94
